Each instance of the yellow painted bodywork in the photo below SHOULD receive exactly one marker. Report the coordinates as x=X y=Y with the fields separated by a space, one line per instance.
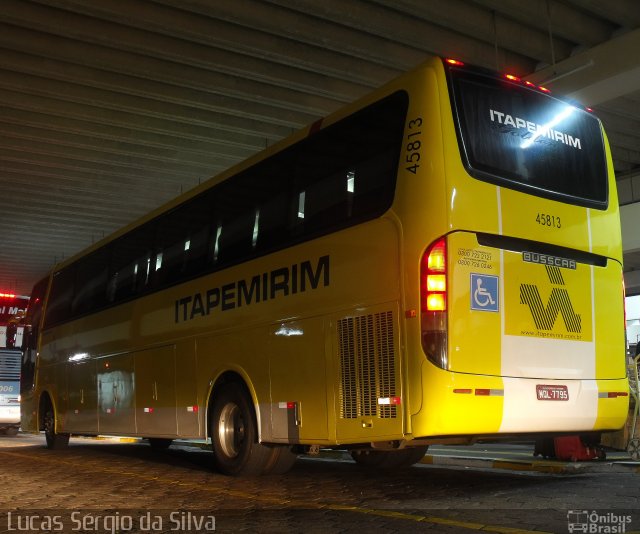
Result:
x=139 y=369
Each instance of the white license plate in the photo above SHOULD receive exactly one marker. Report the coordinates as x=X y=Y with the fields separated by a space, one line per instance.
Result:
x=547 y=392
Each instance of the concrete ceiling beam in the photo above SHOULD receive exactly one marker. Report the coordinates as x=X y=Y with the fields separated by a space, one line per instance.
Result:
x=602 y=73
x=568 y=23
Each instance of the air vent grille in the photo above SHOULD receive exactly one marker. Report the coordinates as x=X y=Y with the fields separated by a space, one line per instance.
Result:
x=367 y=366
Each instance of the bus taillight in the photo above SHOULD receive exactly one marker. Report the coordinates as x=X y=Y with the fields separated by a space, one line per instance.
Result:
x=433 y=302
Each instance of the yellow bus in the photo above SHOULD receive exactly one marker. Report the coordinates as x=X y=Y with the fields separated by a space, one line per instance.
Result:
x=439 y=262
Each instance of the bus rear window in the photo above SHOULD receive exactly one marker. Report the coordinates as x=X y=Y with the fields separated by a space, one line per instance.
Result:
x=519 y=138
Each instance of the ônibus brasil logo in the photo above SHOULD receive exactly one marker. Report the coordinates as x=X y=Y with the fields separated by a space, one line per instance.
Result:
x=597 y=522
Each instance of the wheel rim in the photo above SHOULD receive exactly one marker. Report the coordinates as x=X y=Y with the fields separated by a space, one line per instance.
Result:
x=231 y=430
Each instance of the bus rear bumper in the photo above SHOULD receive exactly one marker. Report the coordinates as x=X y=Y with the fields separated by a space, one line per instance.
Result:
x=473 y=405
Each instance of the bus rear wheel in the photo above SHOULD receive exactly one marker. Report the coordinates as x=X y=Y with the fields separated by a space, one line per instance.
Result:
x=160 y=444
x=397 y=459
x=282 y=459
x=234 y=434
x=55 y=440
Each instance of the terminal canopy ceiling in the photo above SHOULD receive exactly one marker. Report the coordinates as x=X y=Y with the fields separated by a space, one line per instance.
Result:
x=110 y=108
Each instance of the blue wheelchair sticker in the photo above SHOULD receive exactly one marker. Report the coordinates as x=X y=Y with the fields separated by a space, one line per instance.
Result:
x=484 y=292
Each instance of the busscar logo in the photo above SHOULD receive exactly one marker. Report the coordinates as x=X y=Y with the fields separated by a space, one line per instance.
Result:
x=559 y=303
x=546 y=259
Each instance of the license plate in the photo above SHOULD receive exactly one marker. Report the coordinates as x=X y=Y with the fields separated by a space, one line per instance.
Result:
x=552 y=393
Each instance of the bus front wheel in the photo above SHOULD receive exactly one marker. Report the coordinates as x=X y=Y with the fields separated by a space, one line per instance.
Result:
x=389 y=459
x=55 y=440
x=234 y=433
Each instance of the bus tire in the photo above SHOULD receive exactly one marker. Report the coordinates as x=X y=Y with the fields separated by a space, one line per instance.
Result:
x=397 y=459
x=55 y=441
x=11 y=431
x=282 y=459
x=234 y=433
x=160 y=444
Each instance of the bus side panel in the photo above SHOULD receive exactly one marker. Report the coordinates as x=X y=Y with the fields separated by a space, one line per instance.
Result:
x=271 y=312
x=610 y=322
x=606 y=234
x=82 y=415
x=446 y=410
x=116 y=394
x=237 y=352
x=421 y=206
x=28 y=412
x=51 y=375
x=189 y=414
x=155 y=391
x=298 y=380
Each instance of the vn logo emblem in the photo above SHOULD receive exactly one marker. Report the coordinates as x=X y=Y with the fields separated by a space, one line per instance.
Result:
x=559 y=302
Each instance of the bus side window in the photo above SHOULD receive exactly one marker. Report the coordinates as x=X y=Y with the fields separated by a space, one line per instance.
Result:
x=196 y=235
x=91 y=281
x=232 y=235
x=59 y=304
x=326 y=202
x=124 y=272
x=169 y=259
x=131 y=268
x=195 y=247
x=272 y=229
x=373 y=183
x=235 y=237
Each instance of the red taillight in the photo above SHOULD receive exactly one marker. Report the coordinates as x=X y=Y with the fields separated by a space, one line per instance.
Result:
x=543 y=89
x=512 y=78
x=433 y=302
x=455 y=62
x=8 y=295
x=433 y=277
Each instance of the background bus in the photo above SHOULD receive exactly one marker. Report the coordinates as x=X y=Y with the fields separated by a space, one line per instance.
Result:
x=438 y=262
x=12 y=309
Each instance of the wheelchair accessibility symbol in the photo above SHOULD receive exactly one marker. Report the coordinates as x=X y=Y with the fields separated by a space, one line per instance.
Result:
x=484 y=292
